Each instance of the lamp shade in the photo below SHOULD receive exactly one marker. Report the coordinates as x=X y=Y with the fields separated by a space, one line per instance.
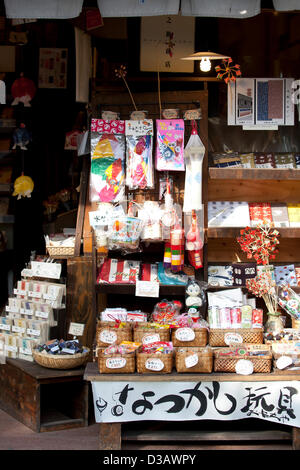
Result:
x=205 y=55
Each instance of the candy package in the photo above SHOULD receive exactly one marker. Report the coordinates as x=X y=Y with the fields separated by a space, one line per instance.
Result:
x=194 y=236
x=114 y=271
x=170 y=145
x=164 y=347
x=107 y=177
x=139 y=144
x=125 y=232
x=165 y=311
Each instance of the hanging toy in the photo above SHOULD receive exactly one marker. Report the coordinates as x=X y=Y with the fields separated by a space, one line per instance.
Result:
x=228 y=72
x=177 y=248
x=169 y=214
x=194 y=244
x=21 y=137
x=23 y=186
x=193 y=155
x=23 y=90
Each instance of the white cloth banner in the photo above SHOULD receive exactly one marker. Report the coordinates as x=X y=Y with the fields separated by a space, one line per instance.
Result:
x=118 y=8
x=58 y=9
x=223 y=9
x=278 y=402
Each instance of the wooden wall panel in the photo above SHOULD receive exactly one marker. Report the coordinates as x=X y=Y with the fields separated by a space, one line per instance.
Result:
x=227 y=250
x=254 y=190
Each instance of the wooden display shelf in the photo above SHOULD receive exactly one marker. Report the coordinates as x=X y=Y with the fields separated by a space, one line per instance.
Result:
x=233 y=232
x=130 y=289
x=255 y=173
x=92 y=374
x=43 y=399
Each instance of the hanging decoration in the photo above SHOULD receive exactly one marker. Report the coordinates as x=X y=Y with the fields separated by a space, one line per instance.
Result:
x=121 y=72
x=23 y=90
x=193 y=156
x=21 y=137
x=227 y=71
x=23 y=186
x=139 y=141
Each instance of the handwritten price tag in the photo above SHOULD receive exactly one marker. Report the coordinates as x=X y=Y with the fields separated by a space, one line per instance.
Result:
x=146 y=289
x=244 y=367
x=232 y=338
x=76 y=329
x=191 y=361
x=154 y=364
x=116 y=362
x=150 y=338
x=185 y=334
x=107 y=336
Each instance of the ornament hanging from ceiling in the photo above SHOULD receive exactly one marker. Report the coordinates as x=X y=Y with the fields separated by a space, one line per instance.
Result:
x=227 y=71
x=23 y=186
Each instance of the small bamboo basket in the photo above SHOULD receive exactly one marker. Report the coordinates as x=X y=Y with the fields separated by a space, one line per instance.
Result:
x=144 y=334
x=107 y=334
x=220 y=337
x=60 y=251
x=156 y=363
x=261 y=364
x=202 y=357
x=116 y=363
x=64 y=361
x=200 y=338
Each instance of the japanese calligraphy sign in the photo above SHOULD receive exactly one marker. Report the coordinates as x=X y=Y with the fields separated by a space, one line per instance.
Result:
x=278 y=402
x=164 y=41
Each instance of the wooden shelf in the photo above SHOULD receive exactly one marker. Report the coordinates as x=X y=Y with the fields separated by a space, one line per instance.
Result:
x=129 y=289
x=233 y=232
x=254 y=173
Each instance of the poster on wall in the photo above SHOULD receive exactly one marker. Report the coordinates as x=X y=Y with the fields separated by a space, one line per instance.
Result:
x=53 y=68
x=164 y=41
x=260 y=103
x=278 y=402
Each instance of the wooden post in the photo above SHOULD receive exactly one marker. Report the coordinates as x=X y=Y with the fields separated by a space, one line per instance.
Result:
x=296 y=438
x=110 y=436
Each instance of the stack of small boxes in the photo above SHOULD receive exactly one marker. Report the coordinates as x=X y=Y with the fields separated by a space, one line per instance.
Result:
x=29 y=316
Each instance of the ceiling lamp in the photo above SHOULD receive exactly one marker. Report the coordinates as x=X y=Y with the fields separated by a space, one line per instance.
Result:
x=205 y=58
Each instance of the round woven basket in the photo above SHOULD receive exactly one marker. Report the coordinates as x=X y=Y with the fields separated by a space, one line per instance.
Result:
x=61 y=361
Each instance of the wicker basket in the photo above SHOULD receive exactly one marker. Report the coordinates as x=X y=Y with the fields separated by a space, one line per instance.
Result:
x=156 y=363
x=261 y=364
x=201 y=357
x=61 y=361
x=62 y=251
x=143 y=334
x=116 y=363
x=107 y=334
x=200 y=338
x=221 y=337
x=295 y=357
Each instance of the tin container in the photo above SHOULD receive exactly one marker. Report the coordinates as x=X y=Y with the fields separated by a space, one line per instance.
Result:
x=246 y=316
x=257 y=318
x=225 y=318
x=214 y=317
x=236 y=317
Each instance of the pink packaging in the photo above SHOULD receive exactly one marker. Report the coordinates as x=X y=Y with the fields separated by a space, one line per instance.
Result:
x=170 y=144
x=257 y=318
x=225 y=318
x=236 y=317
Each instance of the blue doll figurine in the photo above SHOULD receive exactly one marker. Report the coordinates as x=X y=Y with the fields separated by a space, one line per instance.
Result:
x=21 y=137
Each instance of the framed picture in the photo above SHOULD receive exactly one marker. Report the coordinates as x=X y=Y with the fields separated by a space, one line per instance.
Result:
x=164 y=41
x=53 y=68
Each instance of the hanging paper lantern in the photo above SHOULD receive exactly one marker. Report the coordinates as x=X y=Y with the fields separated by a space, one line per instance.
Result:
x=23 y=90
x=227 y=71
x=23 y=186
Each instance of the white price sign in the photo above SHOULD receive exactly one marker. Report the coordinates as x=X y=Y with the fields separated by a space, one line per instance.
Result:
x=108 y=337
x=115 y=362
x=154 y=364
x=150 y=338
x=76 y=329
x=191 y=361
x=147 y=289
x=185 y=334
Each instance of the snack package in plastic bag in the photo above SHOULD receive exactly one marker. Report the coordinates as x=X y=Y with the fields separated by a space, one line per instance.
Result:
x=151 y=215
x=170 y=145
x=139 y=144
x=125 y=232
x=107 y=178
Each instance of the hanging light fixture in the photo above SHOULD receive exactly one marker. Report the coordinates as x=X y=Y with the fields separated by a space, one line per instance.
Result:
x=205 y=59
